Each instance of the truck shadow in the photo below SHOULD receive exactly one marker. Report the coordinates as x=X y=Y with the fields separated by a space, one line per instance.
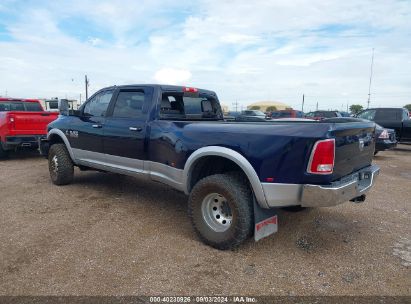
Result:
x=309 y=231
x=22 y=154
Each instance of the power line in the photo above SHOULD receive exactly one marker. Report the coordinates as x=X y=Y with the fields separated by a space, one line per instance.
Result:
x=87 y=85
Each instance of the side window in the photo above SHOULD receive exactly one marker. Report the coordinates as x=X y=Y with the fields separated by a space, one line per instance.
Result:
x=33 y=107
x=16 y=106
x=388 y=114
x=369 y=114
x=97 y=106
x=129 y=104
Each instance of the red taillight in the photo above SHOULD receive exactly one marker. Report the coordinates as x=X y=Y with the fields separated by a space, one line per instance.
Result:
x=190 y=90
x=322 y=157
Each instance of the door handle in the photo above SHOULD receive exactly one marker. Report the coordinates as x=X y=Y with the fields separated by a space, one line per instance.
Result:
x=97 y=126
x=135 y=129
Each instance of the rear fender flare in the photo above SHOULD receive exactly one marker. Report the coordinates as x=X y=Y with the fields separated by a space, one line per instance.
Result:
x=232 y=155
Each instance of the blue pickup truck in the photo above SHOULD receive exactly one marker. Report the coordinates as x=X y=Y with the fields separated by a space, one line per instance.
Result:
x=236 y=174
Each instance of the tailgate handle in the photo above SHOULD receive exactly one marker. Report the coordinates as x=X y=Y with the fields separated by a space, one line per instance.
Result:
x=97 y=126
x=45 y=114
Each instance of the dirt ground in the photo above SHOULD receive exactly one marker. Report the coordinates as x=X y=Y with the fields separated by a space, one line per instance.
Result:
x=112 y=235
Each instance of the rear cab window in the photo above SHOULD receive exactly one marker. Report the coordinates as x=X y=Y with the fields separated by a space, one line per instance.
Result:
x=23 y=106
x=189 y=106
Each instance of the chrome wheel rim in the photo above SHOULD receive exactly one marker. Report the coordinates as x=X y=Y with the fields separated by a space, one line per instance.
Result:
x=54 y=165
x=216 y=212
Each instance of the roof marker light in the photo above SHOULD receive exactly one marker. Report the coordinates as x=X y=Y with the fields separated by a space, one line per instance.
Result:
x=190 y=90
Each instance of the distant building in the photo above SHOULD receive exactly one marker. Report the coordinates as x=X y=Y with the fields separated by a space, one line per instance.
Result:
x=52 y=105
x=224 y=108
x=263 y=105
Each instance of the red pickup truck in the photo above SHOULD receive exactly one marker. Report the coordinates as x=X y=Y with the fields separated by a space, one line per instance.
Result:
x=22 y=123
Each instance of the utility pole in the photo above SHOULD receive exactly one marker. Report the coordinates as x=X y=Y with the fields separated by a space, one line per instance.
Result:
x=316 y=108
x=369 y=87
x=347 y=107
x=87 y=84
x=235 y=104
x=302 y=107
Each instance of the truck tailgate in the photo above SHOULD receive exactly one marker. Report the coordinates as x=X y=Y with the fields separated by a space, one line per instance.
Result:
x=354 y=147
x=26 y=123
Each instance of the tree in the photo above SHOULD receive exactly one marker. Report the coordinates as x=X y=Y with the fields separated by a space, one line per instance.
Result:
x=356 y=108
x=255 y=108
x=271 y=108
x=408 y=107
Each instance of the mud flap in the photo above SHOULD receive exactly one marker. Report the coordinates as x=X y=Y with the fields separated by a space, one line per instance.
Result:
x=44 y=146
x=266 y=222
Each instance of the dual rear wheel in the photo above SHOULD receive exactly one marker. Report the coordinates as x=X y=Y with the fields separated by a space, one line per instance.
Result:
x=221 y=211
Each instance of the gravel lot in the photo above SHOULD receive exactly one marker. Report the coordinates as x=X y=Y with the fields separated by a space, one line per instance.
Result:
x=112 y=235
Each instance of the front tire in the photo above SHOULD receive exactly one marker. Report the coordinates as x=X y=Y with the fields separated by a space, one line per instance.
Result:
x=221 y=210
x=3 y=153
x=61 y=166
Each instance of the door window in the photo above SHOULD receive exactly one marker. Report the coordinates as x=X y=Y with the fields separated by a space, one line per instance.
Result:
x=129 y=104
x=97 y=105
x=369 y=114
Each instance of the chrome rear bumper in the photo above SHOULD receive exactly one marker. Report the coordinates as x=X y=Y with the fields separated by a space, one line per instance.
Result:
x=347 y=188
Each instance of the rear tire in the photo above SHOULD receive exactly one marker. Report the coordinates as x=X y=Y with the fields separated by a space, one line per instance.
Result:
x=221 y=210
x=3 y=153
x=61 y=167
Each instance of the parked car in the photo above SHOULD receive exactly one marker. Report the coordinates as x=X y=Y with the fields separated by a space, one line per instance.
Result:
x=22 y=123
x=345 y=114
x=286 y=114
x=236 y=174
x=385 y=139
x=231 y=116
x=251 y=115
x=392 y=118
x=320 y=115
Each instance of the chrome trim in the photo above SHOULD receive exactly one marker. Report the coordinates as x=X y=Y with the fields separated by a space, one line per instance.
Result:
x=347 y=188
x=132 y=167
x=232 y=155
x=282 y=195
x=65 y=140
x=165 y=174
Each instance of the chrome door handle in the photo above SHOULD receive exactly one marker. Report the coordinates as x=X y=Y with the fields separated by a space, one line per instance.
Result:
x=97 y=126
x=135 y=129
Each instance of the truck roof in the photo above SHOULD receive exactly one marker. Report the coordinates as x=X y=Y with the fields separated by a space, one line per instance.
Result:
x=4 y=99
x=163 y=87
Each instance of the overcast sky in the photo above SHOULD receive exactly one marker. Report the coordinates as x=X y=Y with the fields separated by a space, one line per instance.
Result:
x=244 y=50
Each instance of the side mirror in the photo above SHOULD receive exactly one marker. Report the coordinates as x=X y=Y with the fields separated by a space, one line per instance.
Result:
x=64 y=107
